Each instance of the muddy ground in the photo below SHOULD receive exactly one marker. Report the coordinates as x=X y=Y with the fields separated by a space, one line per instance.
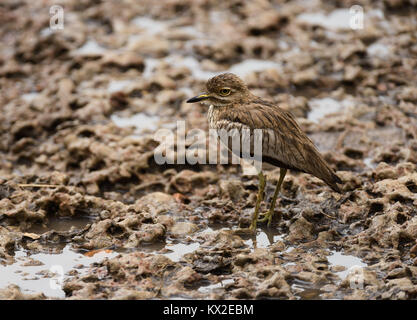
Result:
x=78 y=178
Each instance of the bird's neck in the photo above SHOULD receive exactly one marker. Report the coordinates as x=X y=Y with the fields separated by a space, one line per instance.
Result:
x=216 y=113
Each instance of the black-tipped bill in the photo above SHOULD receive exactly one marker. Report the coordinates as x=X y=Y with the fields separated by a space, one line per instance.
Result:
x=198 y=98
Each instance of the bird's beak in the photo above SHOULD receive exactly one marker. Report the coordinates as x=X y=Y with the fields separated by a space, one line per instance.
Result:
x=198 y=98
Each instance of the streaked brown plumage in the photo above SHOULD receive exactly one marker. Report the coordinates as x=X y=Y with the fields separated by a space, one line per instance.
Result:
x=284 y=144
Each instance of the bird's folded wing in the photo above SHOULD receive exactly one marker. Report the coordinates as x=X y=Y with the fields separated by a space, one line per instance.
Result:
x=283 y=140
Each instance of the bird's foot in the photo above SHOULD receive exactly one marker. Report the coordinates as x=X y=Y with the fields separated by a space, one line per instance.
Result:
x=267 y=218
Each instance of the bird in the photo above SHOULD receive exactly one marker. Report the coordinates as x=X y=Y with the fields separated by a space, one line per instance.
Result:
x=284 y=144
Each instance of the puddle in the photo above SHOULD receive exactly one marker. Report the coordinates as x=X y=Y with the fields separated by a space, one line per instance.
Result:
x=118 y=85
x=179 y=250
x=253 y=65
x=29 y=97
x=34 y=277
x=241 y=69
x=287 y=264
x=304 y=290
x=310 y=294
x=211 y=287
x=307 y=291
x=90 y=48
x=217 y=16
x=151 y=26
x=341 y=19
x=338 y=19
x=187 y=91
x=322 y=107
x=369 y=163
x=150 y=64
x=61 y=224
x=347 y=261
x=191 y=63
x=140 y=121
x=263 y=239
x=324 y=141
x=45 y=32
x=379 y=50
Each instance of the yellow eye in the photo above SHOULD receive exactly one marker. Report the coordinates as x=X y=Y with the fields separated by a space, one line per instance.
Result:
x=224 y=92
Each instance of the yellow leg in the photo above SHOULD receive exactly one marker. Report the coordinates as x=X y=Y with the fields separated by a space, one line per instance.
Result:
x=262 y=183
x=268 y=216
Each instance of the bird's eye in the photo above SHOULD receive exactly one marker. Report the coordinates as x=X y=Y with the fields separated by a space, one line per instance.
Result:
x=225 y=91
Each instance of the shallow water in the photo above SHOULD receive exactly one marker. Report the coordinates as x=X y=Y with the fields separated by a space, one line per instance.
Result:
x=191 y=63
x=253 y=65
x=49 y=270
x=150 y=64
x=379 y=50
x=305 y=291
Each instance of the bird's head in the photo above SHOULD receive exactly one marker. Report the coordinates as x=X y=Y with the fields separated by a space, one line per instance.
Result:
x=223 y=89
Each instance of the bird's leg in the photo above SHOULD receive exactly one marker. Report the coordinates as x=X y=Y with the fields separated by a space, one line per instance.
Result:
x=262 y=183
x=268 y=216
